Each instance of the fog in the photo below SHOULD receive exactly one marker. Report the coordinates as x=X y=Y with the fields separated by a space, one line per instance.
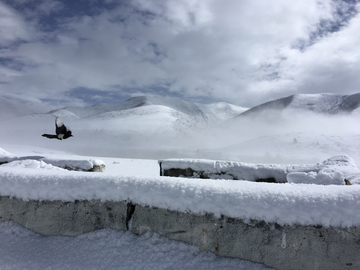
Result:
x=288 y=137
x=268 y=137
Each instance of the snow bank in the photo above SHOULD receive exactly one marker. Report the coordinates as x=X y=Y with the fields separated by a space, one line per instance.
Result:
x=226 y=169
x=324 y=177
x=5 y=156
x=75 y=165
x=331 y=171
x=284 y=204
x=41 y=162
x=31 y=164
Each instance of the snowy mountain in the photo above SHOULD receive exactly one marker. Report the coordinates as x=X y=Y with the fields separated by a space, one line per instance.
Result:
x=298 y=128
x=127 y=128
x=202 y=114
x=317 y=103
x=163 y=127
x=297 y=113
x=11 y=109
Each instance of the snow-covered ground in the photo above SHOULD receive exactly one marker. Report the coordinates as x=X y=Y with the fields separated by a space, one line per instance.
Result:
x=139 y=181
x=296 y=202
x=104 y=249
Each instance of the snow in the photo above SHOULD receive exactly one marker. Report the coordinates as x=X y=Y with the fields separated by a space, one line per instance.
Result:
x=304 y=204
x=6 y=156
x=79 y=164
x=73 y=164
x=152 y=128
x=32 y=164
x=332 y=171
x=11 y=109
x=324 y=177
x=104 y=249
x=321 y=103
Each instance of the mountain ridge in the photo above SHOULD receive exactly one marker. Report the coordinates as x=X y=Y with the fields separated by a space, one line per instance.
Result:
x=318 y=103
x=10 y=109
x=214 y=112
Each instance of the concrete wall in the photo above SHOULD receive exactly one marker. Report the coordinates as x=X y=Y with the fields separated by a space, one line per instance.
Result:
x=281 y=247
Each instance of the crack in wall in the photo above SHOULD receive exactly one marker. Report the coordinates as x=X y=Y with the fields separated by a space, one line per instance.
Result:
x=129 y=212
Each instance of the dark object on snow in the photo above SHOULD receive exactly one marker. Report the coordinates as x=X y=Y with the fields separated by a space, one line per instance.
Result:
x=62 y=132
x=347 y=182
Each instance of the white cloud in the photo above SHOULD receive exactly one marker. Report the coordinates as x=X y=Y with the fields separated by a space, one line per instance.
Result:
x=244 y=52
x=13 y=27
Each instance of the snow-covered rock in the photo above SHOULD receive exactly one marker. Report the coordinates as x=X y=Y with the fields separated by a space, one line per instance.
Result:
x=323 y=177
x=31 y=164
x=332 y=171
x=77 y=165
x=5 y=156
x=90 y=165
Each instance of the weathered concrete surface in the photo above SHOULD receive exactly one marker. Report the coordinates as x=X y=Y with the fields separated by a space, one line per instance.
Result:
x=188 y=172
x=64 y=218
x=281 y=247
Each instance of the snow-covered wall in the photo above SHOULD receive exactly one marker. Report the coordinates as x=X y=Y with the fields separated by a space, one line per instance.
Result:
x=89 y=165
x=283 y=247
x=332 y=171
x=286 y=226
x=304 y=204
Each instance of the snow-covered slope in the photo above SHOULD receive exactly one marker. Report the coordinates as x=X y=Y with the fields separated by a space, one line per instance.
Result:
x=161 y=124
x=162 y=127
x=183 y=113
x=199 y=112
x=317 y=103
x=294 y=147
x=220 y=111
x=11 y=109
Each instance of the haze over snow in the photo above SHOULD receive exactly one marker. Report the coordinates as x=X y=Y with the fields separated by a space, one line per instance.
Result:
x=300 y=128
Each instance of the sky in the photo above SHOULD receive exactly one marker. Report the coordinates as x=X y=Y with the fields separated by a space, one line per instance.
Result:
x=79 y=53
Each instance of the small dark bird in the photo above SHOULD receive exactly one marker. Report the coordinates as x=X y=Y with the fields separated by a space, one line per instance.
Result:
x=62 y=132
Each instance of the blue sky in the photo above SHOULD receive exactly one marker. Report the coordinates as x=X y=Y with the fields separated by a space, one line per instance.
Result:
x=78 y=53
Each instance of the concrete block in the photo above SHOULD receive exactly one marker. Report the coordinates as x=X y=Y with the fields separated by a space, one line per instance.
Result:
x=64 y=218
x=281 y=247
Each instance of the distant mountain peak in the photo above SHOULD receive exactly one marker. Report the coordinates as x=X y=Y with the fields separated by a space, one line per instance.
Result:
x=318 y=103
x=10 y=109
